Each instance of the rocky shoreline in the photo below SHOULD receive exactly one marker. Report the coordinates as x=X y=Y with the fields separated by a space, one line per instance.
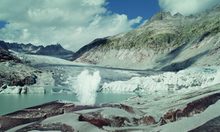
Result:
x=62 y=116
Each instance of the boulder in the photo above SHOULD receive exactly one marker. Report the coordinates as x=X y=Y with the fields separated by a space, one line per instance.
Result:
x=97 y=121
x=29 y=80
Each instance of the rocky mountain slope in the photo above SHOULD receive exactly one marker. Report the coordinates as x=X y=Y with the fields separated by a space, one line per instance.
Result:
x=6 y=56
x=50 y=50
x=166 y=42
x=16 y=76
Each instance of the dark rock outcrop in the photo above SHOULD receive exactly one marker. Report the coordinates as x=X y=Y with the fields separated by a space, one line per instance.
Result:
x=147 y=120
x=29 y=80
x=4 y=45
x=5 y=55
x=48 y=127
x=191 y=109
x=16 y=80
x=9 y=122
x=97 y=121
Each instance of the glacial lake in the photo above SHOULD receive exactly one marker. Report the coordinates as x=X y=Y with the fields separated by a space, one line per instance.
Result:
x=13 y=102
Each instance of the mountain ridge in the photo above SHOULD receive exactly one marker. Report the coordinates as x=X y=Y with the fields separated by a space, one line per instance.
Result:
x=49 y=50
x=165 y=42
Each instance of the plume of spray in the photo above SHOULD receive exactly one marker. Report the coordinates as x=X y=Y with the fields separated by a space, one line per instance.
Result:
x=86 y=86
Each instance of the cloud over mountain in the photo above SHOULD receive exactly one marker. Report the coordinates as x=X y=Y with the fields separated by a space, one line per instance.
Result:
x=187 y=7
x=72 y=23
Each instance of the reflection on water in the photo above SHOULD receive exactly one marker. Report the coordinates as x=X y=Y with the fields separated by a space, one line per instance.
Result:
x=11 y=103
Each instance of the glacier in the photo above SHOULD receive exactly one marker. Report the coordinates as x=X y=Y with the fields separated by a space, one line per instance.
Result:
x=167 y=82
x=23 y=90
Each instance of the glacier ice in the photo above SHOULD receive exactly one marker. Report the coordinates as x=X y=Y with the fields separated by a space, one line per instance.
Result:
x=167 y=82
x=23 y=90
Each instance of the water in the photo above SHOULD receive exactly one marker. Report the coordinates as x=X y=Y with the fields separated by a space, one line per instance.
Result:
x=11 y=103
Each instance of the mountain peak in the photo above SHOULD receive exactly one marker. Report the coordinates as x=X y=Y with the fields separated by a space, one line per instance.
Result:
x=161 y=16
x=54 y=46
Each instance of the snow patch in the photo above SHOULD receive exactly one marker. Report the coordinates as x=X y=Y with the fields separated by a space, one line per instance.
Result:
x=22 y=90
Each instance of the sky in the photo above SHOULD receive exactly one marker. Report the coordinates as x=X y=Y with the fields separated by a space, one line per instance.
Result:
x=2 y=24
x=133 y=9
x=75 y=23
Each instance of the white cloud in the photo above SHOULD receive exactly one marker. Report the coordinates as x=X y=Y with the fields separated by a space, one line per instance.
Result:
x=187 y=7
x=73 y=23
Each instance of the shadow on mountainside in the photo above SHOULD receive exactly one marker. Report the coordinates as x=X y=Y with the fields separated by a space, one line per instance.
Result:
x=210 y=126
x=172 y=55
x=93 y=44
x=184 y=64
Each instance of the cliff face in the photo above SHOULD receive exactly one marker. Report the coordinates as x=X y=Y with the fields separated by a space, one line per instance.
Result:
x=165 y=42
x=5 y=55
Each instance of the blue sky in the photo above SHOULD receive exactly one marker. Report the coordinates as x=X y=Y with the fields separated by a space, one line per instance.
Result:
x=2 y=23
x=134 y=8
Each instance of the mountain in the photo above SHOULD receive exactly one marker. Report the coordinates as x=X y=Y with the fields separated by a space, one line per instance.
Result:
x=15 y=73
x=166 y=42
x=5 y=55
x=50 y=50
